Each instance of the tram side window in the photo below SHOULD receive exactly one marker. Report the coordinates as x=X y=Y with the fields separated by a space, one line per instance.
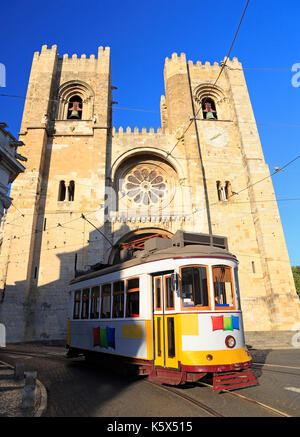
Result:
x=194 y=286
x=118 y=299
x=132 y=298
x=95 y=303
x=223 y=287
x=76 y=310
x=105 y=301
x=85 y=303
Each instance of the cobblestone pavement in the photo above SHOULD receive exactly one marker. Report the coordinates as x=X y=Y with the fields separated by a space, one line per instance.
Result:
x=76 y=388
x=11 y=395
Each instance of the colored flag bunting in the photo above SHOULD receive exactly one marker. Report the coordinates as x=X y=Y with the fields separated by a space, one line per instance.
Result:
x=225 y=323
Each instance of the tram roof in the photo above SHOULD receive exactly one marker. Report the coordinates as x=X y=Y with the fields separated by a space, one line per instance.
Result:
x=170 y=252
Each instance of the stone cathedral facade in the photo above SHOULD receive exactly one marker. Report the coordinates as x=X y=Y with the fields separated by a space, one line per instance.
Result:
x=88 y=188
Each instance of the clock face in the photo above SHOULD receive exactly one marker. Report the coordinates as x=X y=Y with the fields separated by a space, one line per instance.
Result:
x=215 y=136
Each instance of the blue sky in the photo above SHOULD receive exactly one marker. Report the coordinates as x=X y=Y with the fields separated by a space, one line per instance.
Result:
x=142 y=34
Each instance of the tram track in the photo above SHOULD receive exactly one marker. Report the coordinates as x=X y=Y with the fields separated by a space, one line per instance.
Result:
x=266 y=367
x=34 y=354
x=199 y=404
x=207 y=409
x=249 y=400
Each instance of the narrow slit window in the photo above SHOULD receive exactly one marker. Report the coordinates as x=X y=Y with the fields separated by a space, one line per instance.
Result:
x=71 y=191
x=105 y=301
x=62 y=191
x=228 y=191
x=158 y=293
x=169 y=293
x=158 y=336
x=132 y=298
x=171 y=337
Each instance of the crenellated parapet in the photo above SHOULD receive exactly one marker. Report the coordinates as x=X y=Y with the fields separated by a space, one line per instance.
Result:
x=136 y=131
x=103 y=53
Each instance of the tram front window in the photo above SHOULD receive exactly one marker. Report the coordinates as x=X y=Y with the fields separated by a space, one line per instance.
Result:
x=194 y=286
x=223 y=287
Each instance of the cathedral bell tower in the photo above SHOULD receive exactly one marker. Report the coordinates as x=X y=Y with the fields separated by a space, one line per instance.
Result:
x=66 y=124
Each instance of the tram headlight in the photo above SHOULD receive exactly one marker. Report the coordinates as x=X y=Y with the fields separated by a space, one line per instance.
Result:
x=209 y=357
x=230 y=341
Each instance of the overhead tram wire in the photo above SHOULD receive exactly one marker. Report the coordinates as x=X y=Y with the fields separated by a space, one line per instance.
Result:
x=194 y=119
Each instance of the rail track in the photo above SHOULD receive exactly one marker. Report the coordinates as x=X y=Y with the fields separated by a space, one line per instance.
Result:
x=250 y=400
x=212 y=412
x=207 y=409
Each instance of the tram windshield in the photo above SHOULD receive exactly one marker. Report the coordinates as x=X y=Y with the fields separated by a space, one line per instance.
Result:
x=223 y=286
x=194 y=286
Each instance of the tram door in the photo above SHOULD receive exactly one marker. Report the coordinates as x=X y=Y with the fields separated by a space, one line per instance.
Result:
x=164 y=322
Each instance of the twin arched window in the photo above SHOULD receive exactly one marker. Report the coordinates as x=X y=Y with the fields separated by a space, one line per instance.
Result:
x=66 y=191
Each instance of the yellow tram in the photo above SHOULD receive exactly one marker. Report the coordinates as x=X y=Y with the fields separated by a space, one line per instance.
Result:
x=171 y=309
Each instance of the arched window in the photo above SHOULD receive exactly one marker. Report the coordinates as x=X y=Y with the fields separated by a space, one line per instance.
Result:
x=75 y=108
x=212 y=102
x=228 y=190
x=71 y=191
x=61 y=191
x=224 y=190
x=75 y=101
x=209 y=109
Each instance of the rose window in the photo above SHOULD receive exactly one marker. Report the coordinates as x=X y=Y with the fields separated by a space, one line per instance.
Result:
x=145 y=186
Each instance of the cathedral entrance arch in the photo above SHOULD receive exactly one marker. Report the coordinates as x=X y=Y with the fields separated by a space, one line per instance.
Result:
x=134 y=240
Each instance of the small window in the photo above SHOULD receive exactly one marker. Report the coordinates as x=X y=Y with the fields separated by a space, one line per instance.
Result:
x=228 y=191
x=209 y=109
x=118 y=299
x=76 y=310
x=95 y=303
x=169 y=293
x=85 y=303
x=71 y=191
x=223 y=286
x=224 y=191
x=75 y=108
x=171 y=337
x=194 y=286
x=105 y=301
x=132 y=298
x=62 y=191
x=158 y=293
